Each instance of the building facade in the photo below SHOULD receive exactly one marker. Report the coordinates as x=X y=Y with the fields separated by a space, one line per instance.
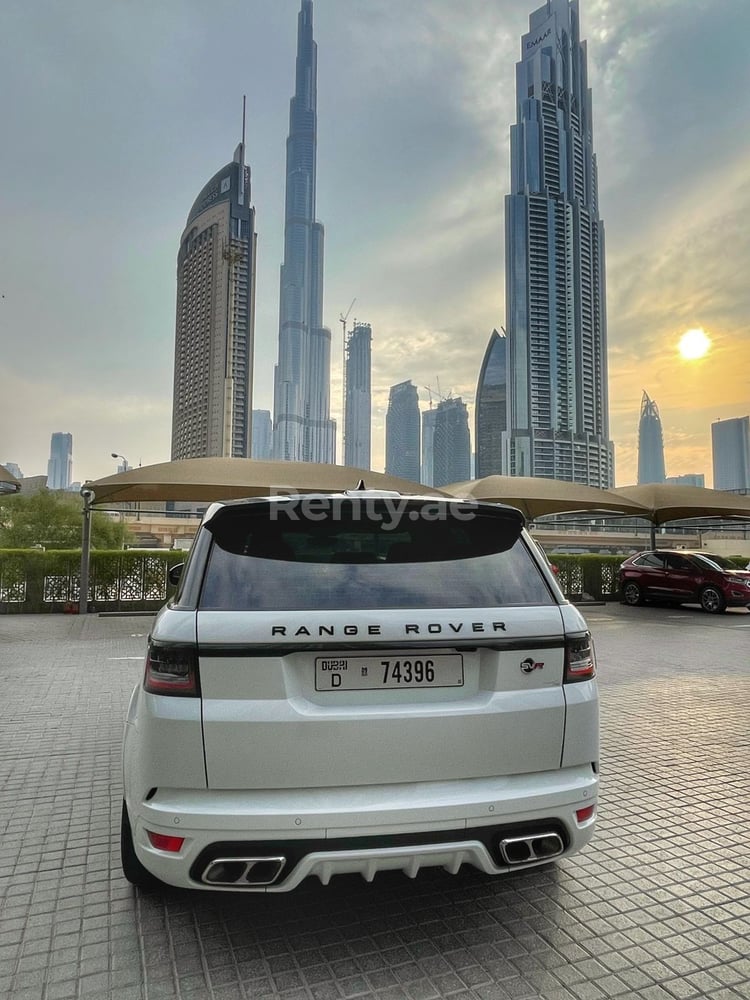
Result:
x=214 y=329
x=262 y=446
x=60 y=465
x=358 y=397
x=402 y=456
x=558 y=420
x=451 y=444
x=491 y=410
x=689 y=479
x=302 y=428
x=428 y=453
x=730 y=447
x=650 y=444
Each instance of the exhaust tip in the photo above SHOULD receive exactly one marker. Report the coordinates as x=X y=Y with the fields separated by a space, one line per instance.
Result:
x=243 y=872
x=531 y=847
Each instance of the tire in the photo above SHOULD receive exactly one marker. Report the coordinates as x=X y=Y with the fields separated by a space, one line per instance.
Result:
x=632 y=593
x=132 y=869
x=712 y=600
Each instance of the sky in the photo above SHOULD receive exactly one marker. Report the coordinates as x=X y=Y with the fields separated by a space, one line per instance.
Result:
x=114 y=115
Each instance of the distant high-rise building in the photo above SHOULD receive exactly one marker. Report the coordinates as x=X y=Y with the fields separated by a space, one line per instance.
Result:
x=302 y=428
x=730 y=445
x=60 y=465
x=402 y=432
x=214 y=331
x=554 y=239
x=262 y=447
x=451 y=446
x=491 y=410
x=358 y=403
x=690 y=479
x=428 y=453
x=13 y=469
x=650 y=443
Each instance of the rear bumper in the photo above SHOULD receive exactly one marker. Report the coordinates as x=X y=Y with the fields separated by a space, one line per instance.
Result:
x=328 y=831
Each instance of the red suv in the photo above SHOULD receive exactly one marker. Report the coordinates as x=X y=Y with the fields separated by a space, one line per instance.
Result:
x=681 y=577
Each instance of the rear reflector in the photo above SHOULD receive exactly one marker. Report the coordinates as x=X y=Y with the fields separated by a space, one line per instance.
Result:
x=580 y=663
x=583 y=814
x=172 y=669
x=163 y=842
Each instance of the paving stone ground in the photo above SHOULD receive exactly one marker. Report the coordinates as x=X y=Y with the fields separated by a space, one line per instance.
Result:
x=658 y=907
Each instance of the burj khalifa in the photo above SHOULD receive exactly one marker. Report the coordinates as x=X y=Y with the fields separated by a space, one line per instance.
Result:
x=302 y=428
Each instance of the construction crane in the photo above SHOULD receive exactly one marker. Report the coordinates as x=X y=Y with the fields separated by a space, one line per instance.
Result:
x=439 y=393
x=343 y=320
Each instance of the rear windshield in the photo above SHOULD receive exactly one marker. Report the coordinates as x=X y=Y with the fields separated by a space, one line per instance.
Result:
x=427 y=557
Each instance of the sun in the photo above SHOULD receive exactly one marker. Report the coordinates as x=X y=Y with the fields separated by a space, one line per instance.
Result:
x=694 y=344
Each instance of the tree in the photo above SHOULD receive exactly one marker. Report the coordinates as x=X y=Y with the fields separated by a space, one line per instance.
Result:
x=53 y=520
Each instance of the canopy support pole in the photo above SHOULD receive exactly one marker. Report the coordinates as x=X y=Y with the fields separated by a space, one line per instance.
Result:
x=83 y=599
x=653 y=534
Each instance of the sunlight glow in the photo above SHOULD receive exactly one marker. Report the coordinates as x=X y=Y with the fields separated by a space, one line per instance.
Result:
x=694 y=344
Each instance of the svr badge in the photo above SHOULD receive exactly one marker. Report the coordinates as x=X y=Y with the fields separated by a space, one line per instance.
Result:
x=528 y=665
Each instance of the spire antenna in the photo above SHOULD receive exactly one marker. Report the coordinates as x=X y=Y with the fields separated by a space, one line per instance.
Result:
x=244 y=104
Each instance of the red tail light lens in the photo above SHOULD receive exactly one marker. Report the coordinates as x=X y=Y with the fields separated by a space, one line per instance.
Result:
x=164 y=842
x=580 y=662
x=582 y=815
x=172 y=669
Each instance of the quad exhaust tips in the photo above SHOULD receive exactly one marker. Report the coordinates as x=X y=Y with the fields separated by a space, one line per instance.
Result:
x=532 y=847
x=239 y=872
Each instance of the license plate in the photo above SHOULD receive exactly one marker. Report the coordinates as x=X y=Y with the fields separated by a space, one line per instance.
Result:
x=365 y=673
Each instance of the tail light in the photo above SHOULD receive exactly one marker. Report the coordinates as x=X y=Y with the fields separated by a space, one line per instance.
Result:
x=172 y=669
x=580 y=662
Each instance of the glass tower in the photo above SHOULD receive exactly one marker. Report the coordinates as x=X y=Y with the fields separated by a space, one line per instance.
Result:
x=730 y=447
x=357 y=403
x=302 y=428
x=491 y=416
x=555 y=289
x=451 y=447
x=60 y=465
x=650 y=444
x=402 y=456
x=215 y=324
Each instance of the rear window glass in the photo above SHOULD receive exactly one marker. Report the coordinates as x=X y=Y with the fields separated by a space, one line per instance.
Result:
x=429 y=556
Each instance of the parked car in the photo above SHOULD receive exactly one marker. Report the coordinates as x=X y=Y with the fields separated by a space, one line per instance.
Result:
x=355 y=683
x=683 y=577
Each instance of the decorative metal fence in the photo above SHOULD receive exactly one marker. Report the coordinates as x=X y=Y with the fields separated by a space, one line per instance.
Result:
x=34 y=582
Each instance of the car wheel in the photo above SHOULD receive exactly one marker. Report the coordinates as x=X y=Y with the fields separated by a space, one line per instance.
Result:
x=132 y=869
x=632 y=593
x=712 y=600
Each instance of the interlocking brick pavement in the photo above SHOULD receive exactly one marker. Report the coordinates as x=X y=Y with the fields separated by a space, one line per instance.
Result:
x=658 y=907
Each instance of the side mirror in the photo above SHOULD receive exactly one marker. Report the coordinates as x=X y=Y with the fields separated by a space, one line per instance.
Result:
x=175 y=573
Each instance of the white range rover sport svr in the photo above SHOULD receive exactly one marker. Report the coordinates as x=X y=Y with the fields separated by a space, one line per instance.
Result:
x=355 y=683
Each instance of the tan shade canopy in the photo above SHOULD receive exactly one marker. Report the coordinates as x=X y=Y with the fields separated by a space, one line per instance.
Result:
x=208 y=479
x=667 y=502
x=8 y=483
x=536 y=497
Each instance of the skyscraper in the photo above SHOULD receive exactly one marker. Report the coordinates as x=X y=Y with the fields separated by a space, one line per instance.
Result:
x=60 y=465
x=730 y=446
x=402 y=432
x=303 y=430
x=554 y=239
x=262 y=445
x=490 y=414
x=214 y=330
x=428 y=439
x=650 y=443
x=357 y=403
x=451 y=447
